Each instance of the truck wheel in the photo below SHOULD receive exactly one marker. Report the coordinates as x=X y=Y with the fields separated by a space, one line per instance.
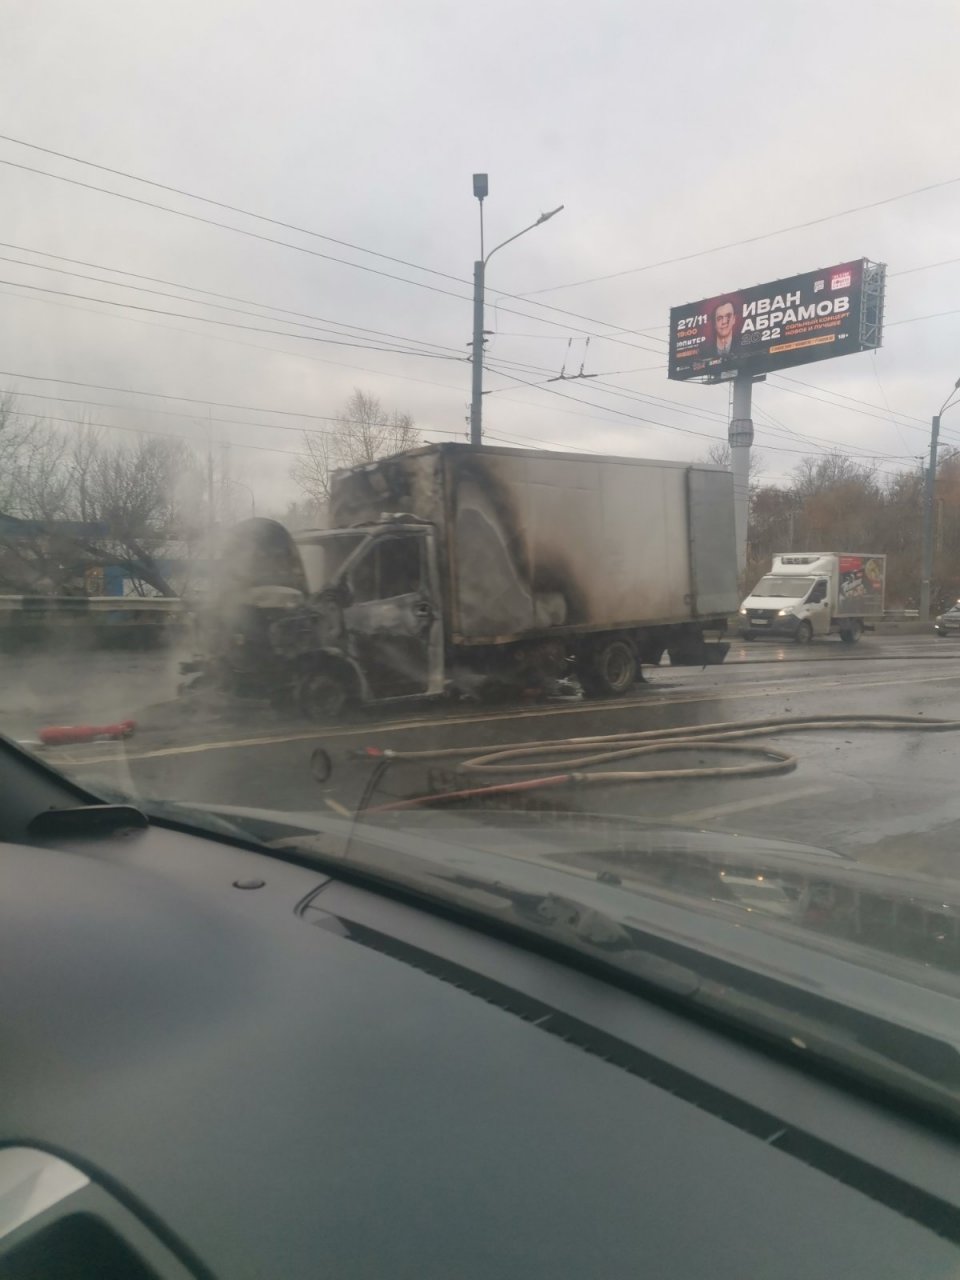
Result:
x=321 y=697
x=803 y=633
x=610 y=669
x=851 y=634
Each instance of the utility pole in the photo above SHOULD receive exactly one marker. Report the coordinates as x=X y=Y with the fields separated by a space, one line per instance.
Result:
x=926 y=571
x=211 y=517
x=480 y=190
x=929 y=488
x=740 y=436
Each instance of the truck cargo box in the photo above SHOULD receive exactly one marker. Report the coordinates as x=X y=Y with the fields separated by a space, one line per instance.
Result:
x=544 y=543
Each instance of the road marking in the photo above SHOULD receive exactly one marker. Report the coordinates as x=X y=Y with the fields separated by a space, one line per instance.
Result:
x=742 y=806
x=435 y=722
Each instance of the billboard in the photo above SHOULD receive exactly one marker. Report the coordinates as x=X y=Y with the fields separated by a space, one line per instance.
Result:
x=831 y=312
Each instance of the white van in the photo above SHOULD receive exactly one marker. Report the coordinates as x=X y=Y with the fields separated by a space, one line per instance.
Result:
x=810 y=594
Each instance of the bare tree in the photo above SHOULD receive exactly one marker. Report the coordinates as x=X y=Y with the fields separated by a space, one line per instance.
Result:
x=133 y=494
x=70 y=503
x=364 y=431
x=720 y=455
x=311 y=472
x=832 y=471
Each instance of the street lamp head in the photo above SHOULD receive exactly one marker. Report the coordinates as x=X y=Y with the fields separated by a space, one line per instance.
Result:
x=481 y=185
x=545 y=217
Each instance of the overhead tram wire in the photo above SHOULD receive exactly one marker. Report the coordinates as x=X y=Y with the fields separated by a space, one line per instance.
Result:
x=164 y=395
x=655 y=422
x=431 y=270
x=755 y=239
x=244 y=408
x=230 y=324
x=677 y=406
x=520 y=441
x=652 y=331
x=15 y=394
x=230 y=208
x=342 y=329
x=612 y=337
x=368 y=346
x=250 y=346
x=278 y=222
x=298 y=248
x=294 y=413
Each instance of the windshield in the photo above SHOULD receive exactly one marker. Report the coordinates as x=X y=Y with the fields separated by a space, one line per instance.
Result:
x=780 y=586
x=367 y=486
x=325 y=554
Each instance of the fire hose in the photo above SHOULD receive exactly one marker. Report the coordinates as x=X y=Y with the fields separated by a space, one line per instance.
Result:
x=575 y=761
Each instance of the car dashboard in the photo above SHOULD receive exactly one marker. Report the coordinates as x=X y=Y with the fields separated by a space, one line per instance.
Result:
x=218 y=1062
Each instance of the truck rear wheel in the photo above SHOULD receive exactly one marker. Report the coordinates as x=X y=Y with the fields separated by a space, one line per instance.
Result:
x=610 y=669
x=852 y=633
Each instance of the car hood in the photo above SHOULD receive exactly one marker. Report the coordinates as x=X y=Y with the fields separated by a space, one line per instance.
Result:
x=770 y=602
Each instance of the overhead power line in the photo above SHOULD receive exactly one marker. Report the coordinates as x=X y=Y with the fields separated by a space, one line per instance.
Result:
x=286 y=244
x=226 y=226
x=341 y=326
x=812 y=386
x=765 y=235
x=223 y=204
x=230 y=324
x=290 y=226
x=340 y=421
x=164 y=395
x=665 y=425
x=277 y=222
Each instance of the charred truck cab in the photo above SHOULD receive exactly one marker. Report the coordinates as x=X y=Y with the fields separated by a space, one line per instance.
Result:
x=451 y=569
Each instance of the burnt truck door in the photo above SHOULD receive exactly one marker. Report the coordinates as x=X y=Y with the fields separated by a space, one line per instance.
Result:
x=393 y=620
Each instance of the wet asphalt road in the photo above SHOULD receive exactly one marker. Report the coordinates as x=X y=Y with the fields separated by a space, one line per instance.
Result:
x=890 y=799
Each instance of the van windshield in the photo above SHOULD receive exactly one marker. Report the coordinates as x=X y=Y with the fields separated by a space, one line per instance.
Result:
x=788 y=587
x=325 y=553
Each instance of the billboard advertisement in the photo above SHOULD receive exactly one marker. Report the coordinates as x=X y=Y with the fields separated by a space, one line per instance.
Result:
x=832 y=312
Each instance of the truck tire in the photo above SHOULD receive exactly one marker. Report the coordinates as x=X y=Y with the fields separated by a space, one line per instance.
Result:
x=803 y=633
x=610 y=669
x=851 y=634
x=322 y=697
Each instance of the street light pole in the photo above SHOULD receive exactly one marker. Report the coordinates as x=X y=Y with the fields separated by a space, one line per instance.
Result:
x=926 y=570
x=480 y=189
x=476 y=383
x=240 y=484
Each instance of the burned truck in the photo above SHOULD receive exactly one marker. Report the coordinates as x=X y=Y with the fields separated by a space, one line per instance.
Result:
x=451 y=569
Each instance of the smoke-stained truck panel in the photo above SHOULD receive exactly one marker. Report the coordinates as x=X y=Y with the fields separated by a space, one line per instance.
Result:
x=452 y=569
x=537 y=544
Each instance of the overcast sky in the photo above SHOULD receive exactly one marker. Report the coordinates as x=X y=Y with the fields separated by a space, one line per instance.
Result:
x=665 y=129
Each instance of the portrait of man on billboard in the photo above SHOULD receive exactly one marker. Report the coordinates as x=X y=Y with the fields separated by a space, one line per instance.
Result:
x=725 y=339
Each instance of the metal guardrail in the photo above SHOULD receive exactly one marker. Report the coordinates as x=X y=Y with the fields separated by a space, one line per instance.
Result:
x=144 y=621
x=162 y=605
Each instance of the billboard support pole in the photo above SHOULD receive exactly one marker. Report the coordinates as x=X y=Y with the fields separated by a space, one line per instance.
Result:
x=740 y=436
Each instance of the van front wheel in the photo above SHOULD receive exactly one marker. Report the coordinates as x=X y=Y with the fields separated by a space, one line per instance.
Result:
x=803 y=633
